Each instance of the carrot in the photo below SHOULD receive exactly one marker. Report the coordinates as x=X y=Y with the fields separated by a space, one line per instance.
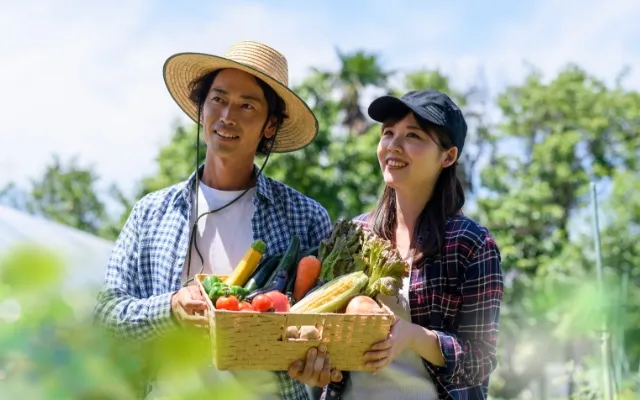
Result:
x=306 y=276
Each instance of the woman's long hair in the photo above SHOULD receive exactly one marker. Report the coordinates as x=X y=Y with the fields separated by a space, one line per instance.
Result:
x=447 y=200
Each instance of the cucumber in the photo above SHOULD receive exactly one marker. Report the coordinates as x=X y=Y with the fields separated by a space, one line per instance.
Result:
x=289 y=260
x=263 y=272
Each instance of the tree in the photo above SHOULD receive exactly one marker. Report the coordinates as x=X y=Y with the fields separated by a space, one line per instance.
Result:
x=358 y=70
x=555 y=139
x=338 y=170
x=66 y=193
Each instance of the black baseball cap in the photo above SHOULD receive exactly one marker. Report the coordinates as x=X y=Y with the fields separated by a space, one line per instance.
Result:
x=430 y=105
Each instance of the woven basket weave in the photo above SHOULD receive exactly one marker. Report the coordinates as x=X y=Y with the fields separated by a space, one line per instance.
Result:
x=257 y=341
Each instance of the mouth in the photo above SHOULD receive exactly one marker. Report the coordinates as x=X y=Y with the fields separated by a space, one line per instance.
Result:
x=225 y=135
x=392 y=163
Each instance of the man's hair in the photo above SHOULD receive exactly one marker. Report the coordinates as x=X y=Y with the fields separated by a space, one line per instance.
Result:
x=276 y=108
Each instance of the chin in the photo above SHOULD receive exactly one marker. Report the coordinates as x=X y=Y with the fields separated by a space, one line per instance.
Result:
x=391 y=181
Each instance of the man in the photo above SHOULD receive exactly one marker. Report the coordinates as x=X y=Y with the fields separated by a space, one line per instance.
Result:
x=245 y=108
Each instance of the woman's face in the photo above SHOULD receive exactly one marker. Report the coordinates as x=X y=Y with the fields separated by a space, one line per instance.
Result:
x=410 y=157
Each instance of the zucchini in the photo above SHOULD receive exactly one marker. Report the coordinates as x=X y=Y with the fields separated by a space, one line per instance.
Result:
x=290 y=286
x=247 y=265
x=289 y=260
x=278 y=284
x=263 y=272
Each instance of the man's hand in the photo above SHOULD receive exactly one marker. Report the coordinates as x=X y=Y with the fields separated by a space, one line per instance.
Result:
x=188 y=306
x=316 y=371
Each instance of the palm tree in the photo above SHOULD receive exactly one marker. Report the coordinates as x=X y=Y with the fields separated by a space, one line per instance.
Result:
x=358 y=70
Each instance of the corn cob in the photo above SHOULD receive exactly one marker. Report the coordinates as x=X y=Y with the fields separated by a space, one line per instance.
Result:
x=333 y=295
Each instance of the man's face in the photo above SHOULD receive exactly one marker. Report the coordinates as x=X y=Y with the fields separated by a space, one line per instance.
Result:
x=234 y=115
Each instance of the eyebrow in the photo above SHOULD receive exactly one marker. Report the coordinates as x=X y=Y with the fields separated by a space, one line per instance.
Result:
x=242 y=96
x=417 y=128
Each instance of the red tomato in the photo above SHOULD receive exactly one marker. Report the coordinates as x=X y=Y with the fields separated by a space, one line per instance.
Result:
x=246 y=306
x=280 y=301
x=227 y=303
x=262 y=303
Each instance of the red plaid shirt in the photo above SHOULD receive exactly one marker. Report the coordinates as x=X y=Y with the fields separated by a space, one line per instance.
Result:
x=457 y=295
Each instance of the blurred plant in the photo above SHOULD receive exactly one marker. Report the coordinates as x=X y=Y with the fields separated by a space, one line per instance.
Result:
x=50 y=350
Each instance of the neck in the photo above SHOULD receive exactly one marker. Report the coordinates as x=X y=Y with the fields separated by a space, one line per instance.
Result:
x=227 y=174
x=409 y=205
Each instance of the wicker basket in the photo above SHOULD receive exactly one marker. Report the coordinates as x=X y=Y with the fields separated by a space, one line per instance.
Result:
x=257 y=341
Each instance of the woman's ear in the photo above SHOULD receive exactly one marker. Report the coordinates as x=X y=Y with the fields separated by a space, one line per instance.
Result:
x=449 y=157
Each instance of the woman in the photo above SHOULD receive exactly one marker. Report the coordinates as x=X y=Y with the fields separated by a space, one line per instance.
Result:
x=443 y=343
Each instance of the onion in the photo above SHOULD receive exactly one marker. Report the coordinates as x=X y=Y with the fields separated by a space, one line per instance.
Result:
x=364 y=305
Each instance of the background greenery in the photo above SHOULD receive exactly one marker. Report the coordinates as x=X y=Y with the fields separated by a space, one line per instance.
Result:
x=531 y=154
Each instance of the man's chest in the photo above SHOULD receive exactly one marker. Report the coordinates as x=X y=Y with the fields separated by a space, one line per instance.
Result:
x=172 y=243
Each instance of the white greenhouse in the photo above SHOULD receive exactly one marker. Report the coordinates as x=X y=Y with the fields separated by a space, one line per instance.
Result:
x=85 y=256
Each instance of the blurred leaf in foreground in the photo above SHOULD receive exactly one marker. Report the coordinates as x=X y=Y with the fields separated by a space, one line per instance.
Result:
x=47 y=351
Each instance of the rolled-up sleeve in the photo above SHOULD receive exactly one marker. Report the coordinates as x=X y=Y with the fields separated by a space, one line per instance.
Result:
x=471 y=354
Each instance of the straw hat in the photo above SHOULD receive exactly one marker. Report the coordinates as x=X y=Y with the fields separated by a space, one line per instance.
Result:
x=296 y=132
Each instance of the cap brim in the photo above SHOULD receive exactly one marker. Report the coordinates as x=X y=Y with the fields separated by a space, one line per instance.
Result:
x=385 y=107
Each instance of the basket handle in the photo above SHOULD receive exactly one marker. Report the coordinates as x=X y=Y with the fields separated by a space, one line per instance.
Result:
x=295 y=325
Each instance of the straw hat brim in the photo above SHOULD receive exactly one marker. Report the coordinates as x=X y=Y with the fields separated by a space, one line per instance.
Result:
x=298 y=130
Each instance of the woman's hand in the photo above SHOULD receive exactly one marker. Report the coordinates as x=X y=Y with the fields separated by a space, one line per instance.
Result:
x=383 y=353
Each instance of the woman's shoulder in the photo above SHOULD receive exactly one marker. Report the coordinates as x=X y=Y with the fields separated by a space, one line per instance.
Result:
x=362 y=219
x=462 y=227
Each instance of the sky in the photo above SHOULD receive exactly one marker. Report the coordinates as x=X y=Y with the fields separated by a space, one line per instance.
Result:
x=84 y=79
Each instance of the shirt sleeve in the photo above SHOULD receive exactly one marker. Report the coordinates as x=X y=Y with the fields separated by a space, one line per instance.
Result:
x=119 y=306
x=291 y=389
x=471 y=354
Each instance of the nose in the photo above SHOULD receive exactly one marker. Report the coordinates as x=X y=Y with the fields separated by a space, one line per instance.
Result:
x=226 y=116
x=394 y=145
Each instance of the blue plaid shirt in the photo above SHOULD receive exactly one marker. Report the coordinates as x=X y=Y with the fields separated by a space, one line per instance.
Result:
x=145 y=268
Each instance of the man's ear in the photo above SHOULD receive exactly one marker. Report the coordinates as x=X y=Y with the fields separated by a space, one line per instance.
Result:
x=270 y=128
x=449 y=157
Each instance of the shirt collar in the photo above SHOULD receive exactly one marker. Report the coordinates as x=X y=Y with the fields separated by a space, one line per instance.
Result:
x=263 y=187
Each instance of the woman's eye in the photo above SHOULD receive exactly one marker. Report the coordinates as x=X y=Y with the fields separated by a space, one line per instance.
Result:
x=413 y=135
x=386 y=133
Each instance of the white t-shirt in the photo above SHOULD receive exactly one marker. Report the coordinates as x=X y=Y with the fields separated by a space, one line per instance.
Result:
x=223 y=238
x=405 y=378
